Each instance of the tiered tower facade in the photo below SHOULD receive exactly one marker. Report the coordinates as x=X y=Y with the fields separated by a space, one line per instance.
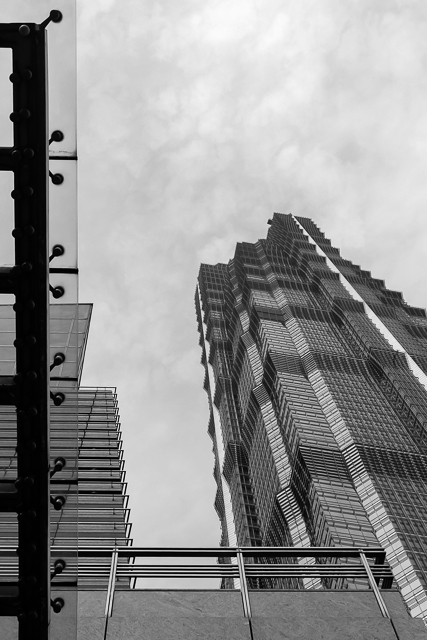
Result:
x=316 y=381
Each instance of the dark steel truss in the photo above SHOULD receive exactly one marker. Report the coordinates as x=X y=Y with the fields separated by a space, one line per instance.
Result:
x=28 y=390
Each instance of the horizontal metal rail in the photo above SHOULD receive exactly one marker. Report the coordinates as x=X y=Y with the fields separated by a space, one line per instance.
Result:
x=89 y=558
x=221 y=552
x=258 y=571
x=126 y=551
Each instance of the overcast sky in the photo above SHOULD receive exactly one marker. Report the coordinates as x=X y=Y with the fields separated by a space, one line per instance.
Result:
x=198 y=120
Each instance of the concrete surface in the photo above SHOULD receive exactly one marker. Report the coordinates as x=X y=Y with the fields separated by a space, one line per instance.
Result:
x=218 y=615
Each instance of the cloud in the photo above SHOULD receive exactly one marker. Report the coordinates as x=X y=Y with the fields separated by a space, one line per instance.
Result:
x=196 y=122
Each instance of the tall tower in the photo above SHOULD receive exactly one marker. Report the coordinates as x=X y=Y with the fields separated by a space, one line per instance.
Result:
x=316 y=381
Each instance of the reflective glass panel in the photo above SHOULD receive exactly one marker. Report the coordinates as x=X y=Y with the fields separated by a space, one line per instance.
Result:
x=6 y=102
x=7 y=244
x=61 y=73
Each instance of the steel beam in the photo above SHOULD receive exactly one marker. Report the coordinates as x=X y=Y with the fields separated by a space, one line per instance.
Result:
x=29 y=599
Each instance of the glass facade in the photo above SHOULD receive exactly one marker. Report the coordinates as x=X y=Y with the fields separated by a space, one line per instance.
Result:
x=85 y=432
x=316 y=381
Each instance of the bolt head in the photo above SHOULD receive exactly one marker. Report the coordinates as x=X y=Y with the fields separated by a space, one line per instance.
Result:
x=55 y=15
x=57 y=178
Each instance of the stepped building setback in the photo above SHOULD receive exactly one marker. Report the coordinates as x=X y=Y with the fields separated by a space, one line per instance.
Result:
x=85 y=435
x=316 y=381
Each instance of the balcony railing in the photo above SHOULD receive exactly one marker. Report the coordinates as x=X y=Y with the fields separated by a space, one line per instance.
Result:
x=100 y=564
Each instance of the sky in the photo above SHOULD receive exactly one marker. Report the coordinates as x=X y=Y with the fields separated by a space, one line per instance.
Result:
x=196 y=121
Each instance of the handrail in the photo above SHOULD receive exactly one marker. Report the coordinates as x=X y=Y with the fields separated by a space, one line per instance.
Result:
x=224 y=552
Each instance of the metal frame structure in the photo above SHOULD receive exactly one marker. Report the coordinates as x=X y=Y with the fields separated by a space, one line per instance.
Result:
x=29 y=596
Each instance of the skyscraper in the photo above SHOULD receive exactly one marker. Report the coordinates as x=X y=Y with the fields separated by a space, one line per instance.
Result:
x=316 y=381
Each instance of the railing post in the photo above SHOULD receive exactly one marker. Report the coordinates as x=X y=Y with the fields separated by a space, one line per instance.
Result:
x=110 y=588
x=243 y=584
x=373 y=585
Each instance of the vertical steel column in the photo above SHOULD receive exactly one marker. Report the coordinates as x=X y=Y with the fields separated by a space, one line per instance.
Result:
x=111 y=583
x=374 y=586
x=32 y=337
x=243 y=584
x=28 y=281
x=110 y=589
